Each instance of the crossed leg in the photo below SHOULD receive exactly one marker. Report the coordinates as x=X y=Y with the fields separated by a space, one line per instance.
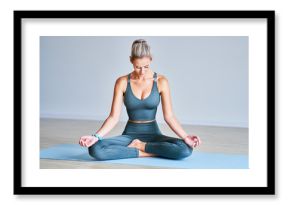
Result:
x=132 y=146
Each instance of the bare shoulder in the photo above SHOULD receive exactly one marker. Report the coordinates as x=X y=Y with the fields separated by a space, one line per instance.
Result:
x=121 y=82
x=162 y=82
x=161 y=78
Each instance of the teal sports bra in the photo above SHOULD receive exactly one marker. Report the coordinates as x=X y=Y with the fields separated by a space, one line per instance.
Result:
x=139 y=109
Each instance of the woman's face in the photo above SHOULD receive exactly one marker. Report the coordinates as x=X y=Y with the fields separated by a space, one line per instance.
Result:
x=141 y=65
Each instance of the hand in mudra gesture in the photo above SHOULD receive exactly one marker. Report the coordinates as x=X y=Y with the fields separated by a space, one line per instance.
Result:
x=87 y=140
x=192 y=140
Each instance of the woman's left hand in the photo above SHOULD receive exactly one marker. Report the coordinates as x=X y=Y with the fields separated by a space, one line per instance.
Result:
x=192 y=140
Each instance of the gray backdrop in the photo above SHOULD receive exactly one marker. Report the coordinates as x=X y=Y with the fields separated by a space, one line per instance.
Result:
x=208 y=76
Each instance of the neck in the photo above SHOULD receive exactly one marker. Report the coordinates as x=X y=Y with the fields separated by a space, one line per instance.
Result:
x=147 y=76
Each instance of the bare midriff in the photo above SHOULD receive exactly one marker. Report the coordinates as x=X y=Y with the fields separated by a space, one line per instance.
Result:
x=140 y=121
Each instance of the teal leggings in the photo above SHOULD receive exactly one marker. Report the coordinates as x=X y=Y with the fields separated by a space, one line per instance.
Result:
x=163 y=146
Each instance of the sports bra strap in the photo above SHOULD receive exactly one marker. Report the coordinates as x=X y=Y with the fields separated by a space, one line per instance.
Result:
x=129 y=77
x=155 y=76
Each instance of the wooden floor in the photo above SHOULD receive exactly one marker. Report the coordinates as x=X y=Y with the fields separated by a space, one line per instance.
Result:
x=59 y=131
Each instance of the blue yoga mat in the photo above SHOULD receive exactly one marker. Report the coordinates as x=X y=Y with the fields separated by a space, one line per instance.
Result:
x=198 y=160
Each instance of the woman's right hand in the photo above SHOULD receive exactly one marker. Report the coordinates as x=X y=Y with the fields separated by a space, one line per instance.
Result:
x=87 y=140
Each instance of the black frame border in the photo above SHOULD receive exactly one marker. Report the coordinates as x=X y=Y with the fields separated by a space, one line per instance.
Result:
x=269 y=15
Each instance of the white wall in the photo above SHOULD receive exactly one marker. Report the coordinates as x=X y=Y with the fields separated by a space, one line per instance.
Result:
x=208 y=76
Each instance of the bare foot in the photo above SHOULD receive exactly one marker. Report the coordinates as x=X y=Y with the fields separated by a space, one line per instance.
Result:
x=145 y=154
x=138 y=144
x=141 y=147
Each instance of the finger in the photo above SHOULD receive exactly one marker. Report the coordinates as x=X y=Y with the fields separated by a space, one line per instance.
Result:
x=192 y=139
x=196 y=140
x=199 y=141
x=84 y=142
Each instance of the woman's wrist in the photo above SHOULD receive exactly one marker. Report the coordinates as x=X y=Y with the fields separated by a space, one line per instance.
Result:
x=97 y=136
x=184 y=136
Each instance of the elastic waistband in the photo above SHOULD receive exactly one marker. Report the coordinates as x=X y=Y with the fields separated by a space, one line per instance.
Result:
x=141 y=121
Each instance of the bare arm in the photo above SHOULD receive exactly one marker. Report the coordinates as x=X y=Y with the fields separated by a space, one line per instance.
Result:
x=168 y=114
x=116 y=107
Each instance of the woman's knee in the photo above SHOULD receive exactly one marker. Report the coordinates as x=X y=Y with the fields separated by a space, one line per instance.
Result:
x=183 y=151
x=96 y=151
